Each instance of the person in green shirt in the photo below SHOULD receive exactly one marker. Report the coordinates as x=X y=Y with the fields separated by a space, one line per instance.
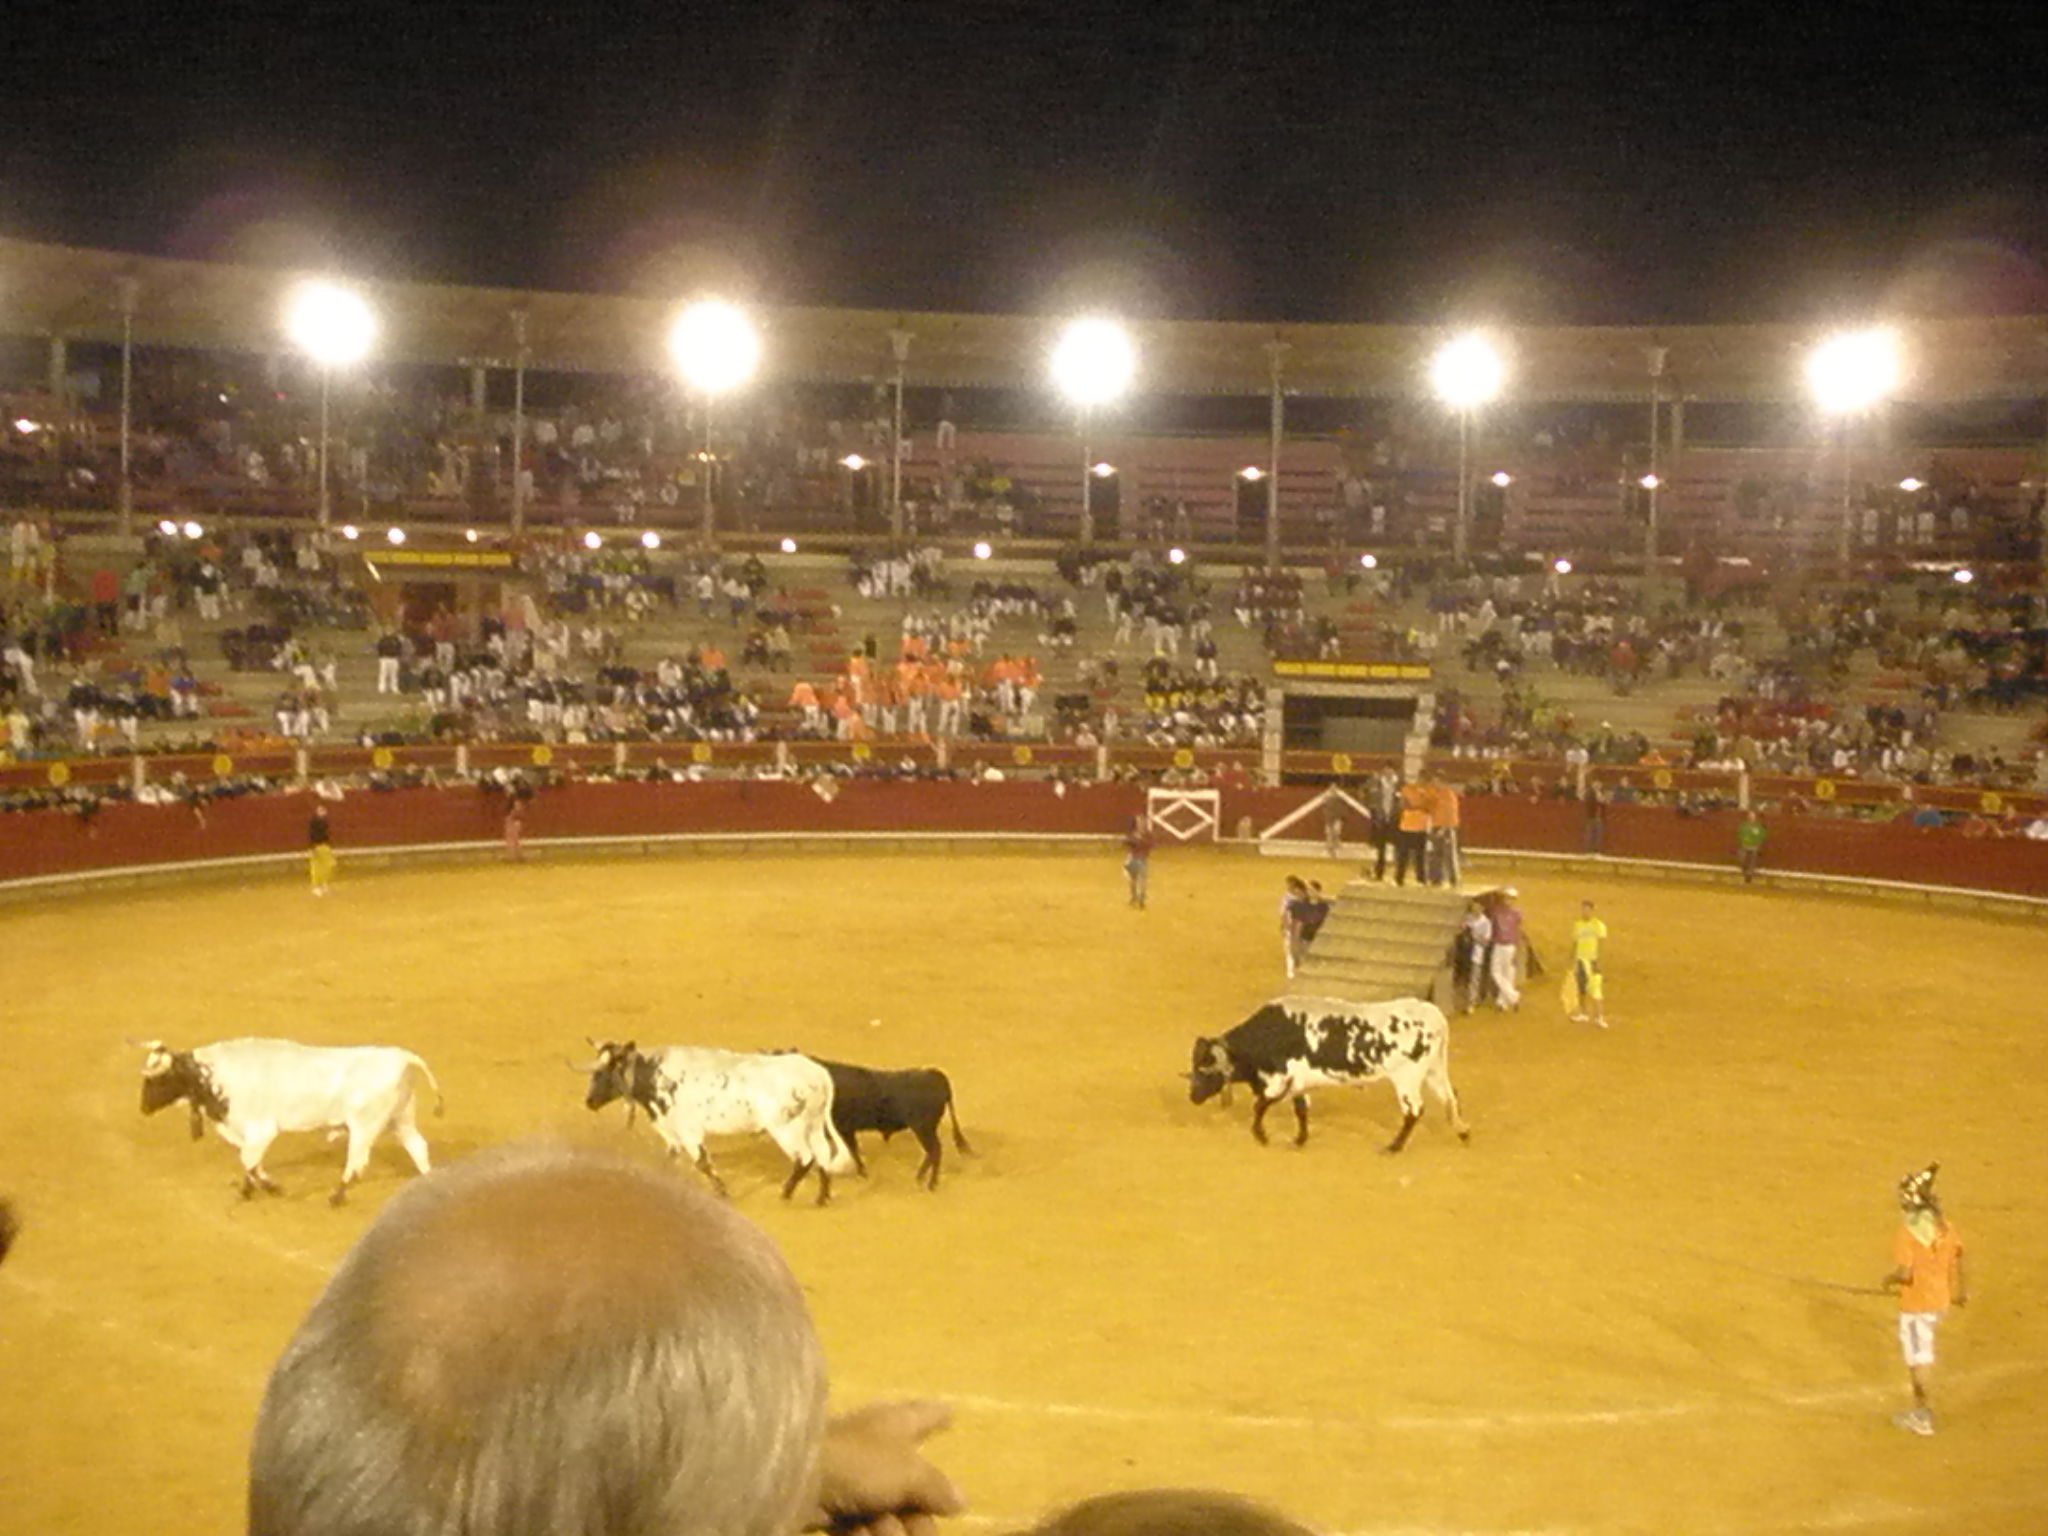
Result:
x=1749 y=843
x=1585 y=988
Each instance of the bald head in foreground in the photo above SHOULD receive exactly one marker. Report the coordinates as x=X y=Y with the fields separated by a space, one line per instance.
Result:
x=543 y=1341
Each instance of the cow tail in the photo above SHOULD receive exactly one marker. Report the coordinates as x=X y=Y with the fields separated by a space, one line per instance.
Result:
x=828 y=1147
x=953 y=1114
x=428 y=1073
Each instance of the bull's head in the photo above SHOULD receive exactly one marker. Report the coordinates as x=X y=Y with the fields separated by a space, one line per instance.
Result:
x=168 y=1076
x=1210 y=1071
x=612 y=1075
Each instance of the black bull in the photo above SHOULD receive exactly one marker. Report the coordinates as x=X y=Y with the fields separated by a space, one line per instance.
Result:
x=865 y=1099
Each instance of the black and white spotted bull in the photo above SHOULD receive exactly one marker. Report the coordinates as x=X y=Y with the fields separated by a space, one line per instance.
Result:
x=868 y=1099
x=1293 y=1044
x=252 y=1089
x=691 y=1092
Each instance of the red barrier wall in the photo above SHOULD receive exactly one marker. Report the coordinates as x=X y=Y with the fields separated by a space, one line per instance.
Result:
x=55 y=842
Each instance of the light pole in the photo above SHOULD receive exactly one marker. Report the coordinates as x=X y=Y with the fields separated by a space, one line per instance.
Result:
x=899 y=346
x=1850 y=374
x=716 y=348
x=518 y=422
x=1276 y=420
x=334 y=327
x=1654 y=481
x=1466 y=372
x=853 y=464
x=126 y=506
x=1093 y=363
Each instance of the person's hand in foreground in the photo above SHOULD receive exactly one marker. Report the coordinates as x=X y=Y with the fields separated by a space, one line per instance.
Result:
x=873 y=1478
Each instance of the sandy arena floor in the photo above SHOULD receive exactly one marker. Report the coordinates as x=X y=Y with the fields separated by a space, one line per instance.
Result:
x=1623 y=1309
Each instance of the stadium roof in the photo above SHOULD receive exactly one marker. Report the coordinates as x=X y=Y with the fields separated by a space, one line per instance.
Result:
x=209 y=306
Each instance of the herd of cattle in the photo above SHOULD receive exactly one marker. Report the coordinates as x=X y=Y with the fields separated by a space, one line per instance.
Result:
x=252 y=1090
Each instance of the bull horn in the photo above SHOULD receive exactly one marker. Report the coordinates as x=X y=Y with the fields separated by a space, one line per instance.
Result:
x=573 y=1067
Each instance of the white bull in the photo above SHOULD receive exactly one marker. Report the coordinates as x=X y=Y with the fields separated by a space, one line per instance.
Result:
x=691 y=1092
x=253 y=1089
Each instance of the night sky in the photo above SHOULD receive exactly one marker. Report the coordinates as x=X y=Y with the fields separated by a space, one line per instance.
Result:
x=1526 y=163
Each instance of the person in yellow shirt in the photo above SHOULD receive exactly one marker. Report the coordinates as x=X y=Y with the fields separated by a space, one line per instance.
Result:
x=1928 y=1254
x=1585 y=990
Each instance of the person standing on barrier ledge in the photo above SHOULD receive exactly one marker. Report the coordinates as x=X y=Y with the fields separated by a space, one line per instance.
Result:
x=1411 y=840
x=1750 y=838
x=319 y=850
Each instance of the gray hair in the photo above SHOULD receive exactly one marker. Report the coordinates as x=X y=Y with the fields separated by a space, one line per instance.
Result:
x=548 y=1341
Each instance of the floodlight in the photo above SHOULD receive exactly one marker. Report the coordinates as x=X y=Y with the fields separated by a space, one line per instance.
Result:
x=167 y=528
x=395 y=535
x=1093 y=362
x=471 y=534
x=1852 y=371
x=329 y=323
x=1650 y=482
x=1177 y=555
x=24 y=426
x=854 y=462
x=1562 y=566
x=982 y=550
x=193 y=530
x=1966 y=576
x=1911 y=484
x=1251 y=472
x=1370 y=562
x=592 y=540
x=1103 y=471
x=788 y=546
x=350 y=532
x=1467 y=370
x=1502 y=478
x=650 y=540
x=714 y=346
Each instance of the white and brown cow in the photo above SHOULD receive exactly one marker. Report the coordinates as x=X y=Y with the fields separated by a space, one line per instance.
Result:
x=1293 y=1044
x=253 y=1089
x=691 y=1092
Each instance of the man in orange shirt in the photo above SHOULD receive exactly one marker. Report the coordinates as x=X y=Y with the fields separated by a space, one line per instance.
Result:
x=1444 y=816
x=1928 y=1254
x=1411 y=840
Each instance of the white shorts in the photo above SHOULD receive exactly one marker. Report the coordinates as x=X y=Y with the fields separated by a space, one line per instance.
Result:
x=1916 y=1337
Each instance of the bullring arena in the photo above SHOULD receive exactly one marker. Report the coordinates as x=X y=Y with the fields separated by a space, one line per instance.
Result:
x=1643 y=1298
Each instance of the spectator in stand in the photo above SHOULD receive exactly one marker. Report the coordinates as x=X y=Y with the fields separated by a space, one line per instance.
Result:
x=549 y=1340
x=389 y=650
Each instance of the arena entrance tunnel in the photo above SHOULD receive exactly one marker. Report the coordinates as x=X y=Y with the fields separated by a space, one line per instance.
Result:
x=1639 y=1300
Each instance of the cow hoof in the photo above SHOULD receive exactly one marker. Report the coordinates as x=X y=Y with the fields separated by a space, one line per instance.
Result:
x=1301 y=1141
x=248 y=1190
x=1464 y=1138
x=339 y=1197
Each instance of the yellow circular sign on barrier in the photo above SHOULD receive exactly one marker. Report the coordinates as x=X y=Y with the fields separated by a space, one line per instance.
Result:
x=862 y=751
x=1340 y=762
x=60 y=773
x=223 y=765
x=1823 y=789
x=543 y=755
x=381 y=757
x=1500 y=768
x=1661 y=778
x=701 y=752
x=1184 y=758
x=1020 y=755
x=1991 y=802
